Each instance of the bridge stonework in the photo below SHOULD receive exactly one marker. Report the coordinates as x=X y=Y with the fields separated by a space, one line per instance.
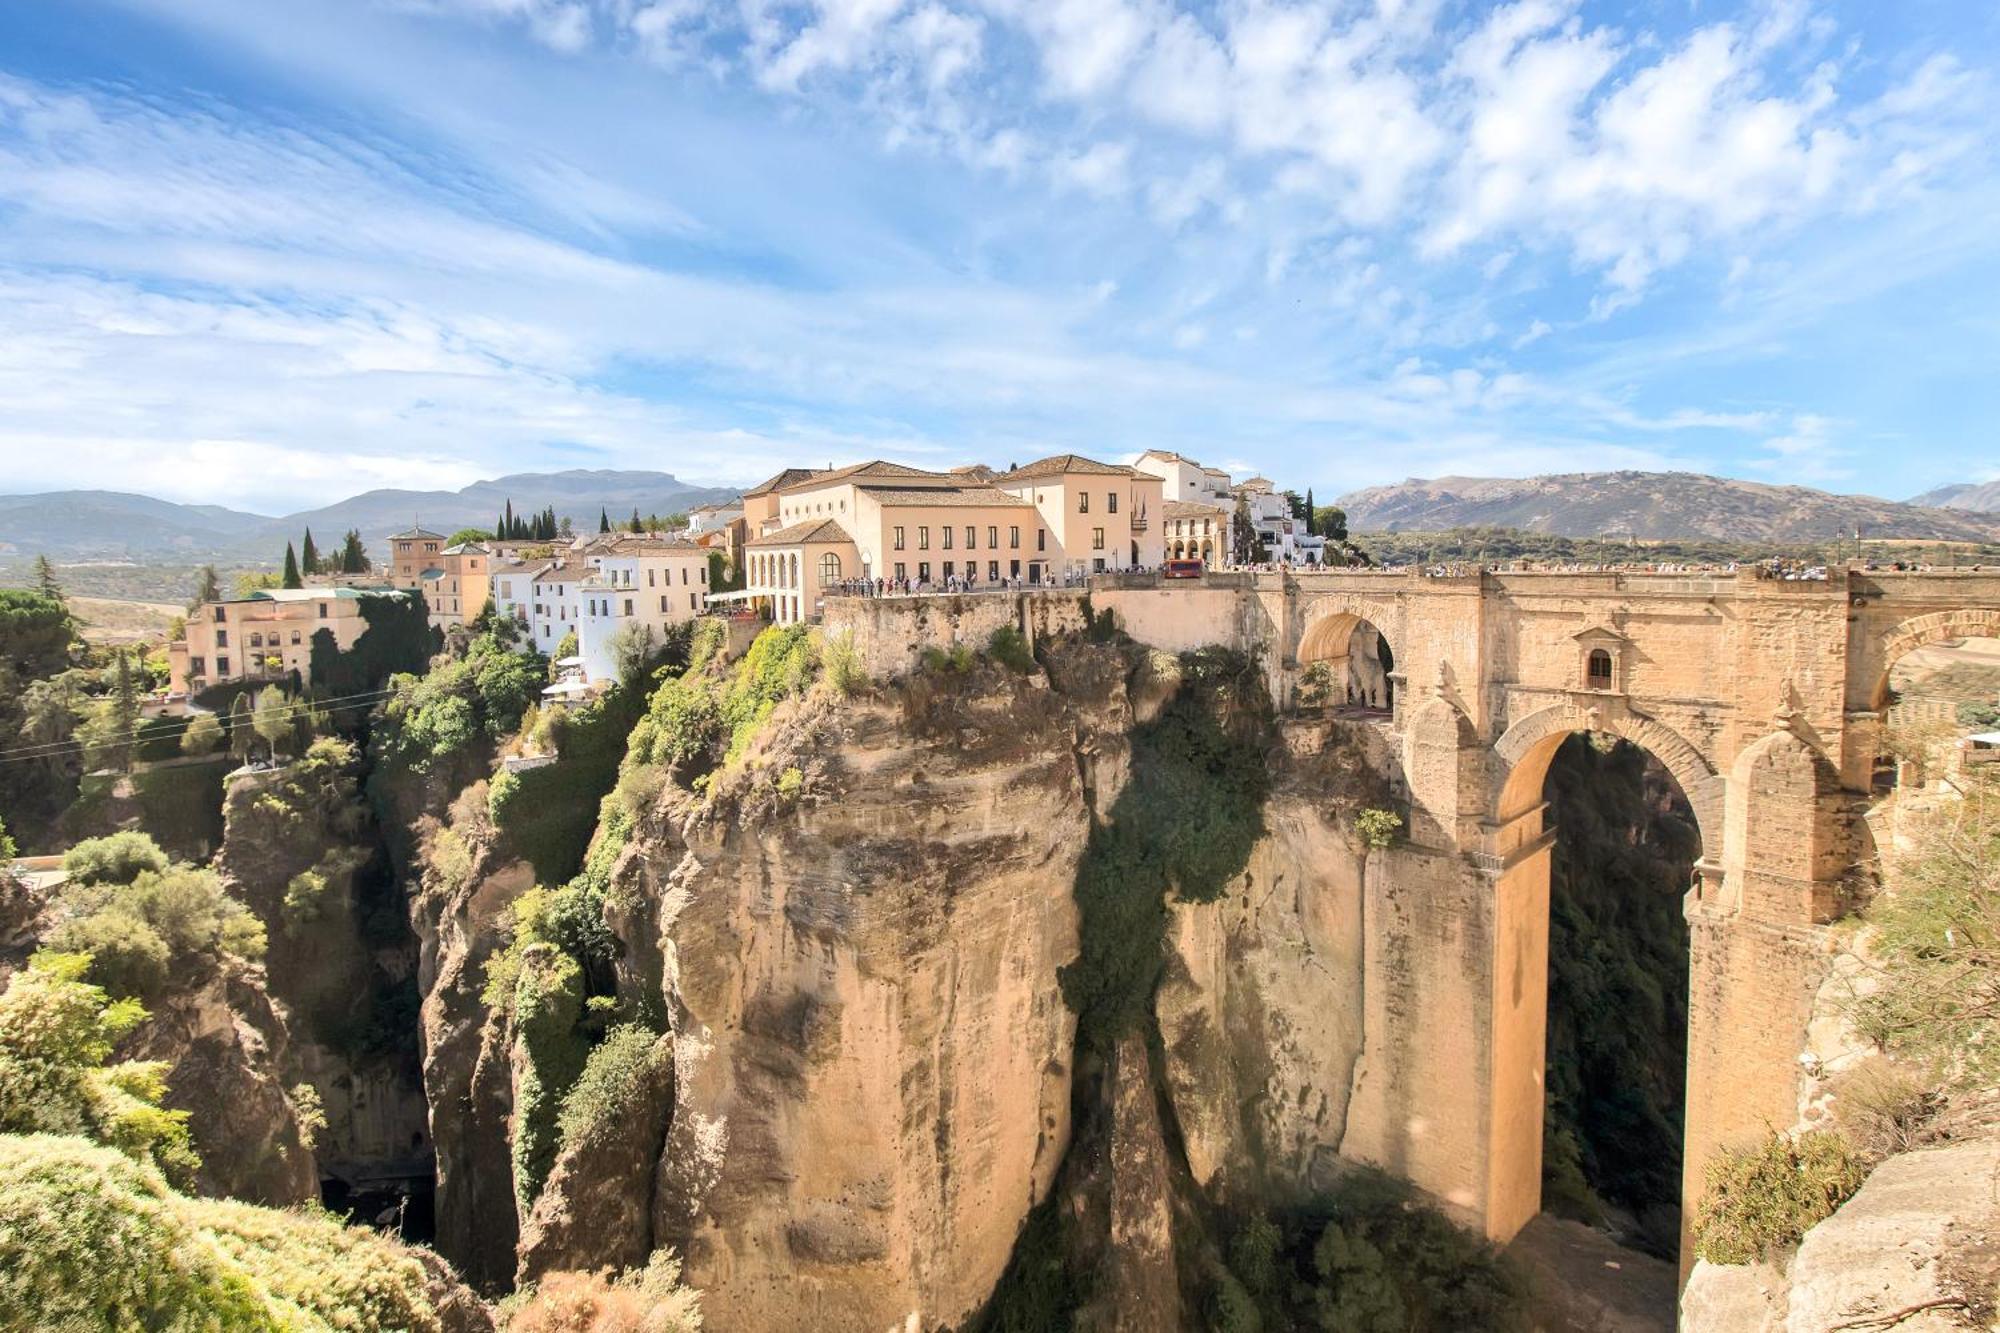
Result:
x=1761 y=696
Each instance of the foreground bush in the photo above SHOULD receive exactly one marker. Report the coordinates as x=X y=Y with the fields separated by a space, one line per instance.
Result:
x=90 y=1240
x=1762 y=1200
x=651 y=1300
x=117 y=859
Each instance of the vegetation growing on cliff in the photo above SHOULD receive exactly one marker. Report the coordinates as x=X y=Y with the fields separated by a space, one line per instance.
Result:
x=139 y=922
x=1184 y=825
x=1365 y=1257
x=704 y=718
x=1617 y=1027
x=1936 y=939
x=1761 y=1200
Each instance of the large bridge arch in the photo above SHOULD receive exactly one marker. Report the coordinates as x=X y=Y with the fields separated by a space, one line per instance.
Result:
x=1361 y=638
x=1520 y=854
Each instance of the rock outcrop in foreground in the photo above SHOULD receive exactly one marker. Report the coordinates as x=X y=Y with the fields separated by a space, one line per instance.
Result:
x=1917 y=1249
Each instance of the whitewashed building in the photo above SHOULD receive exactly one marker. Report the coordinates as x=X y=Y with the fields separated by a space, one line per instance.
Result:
x=648 y=581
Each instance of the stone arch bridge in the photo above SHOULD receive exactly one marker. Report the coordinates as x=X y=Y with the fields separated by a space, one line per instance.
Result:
x=1762 y=696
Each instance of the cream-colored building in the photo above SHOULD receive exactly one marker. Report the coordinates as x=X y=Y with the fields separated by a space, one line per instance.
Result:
x=788 y=570
x=1185 y=479
x=1194 y=531
x=1100 y=517
x=265 y=636
x=455 y=580
x=643 y=580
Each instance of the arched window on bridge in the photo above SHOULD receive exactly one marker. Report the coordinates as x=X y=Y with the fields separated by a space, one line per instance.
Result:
x=1597 y=675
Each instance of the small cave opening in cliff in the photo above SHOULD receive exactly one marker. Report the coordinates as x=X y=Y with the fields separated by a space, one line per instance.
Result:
x=1626 y=845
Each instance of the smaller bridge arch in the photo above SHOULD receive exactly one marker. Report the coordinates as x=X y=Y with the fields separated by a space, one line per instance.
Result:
x=1921 y=631
x=1360 y=640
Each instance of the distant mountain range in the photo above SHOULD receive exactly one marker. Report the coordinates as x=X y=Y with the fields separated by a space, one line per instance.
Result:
x=1981 y=498
x=1659 y=505
x=115 y=525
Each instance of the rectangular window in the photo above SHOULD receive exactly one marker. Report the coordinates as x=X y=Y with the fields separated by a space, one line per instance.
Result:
x=902 y=571
x=649 y=578
x=693 y=597
x=947 y=536
x=684 y=576
x=663 y=603
x=1097 y=540
x=218 y=615
x=950 y=567
x=1013 y=569
x=992 y=537
x=923 y=538
x=322 y=610
x=971 y=538
x=1098 y=564
x=222 y=638
x=1013 y=539
x=704 y=575
x=899 y=542
x=1083 y=502
x=993 y=570
x=1041 y=539
x=221 y=666
x=923 y=571
x=1111 y=502
x=628 y=606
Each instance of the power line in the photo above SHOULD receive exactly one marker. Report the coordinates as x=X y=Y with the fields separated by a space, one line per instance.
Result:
x=53 y=749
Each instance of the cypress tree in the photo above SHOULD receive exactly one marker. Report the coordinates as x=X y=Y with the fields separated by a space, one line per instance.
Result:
x=353 y=556
x=507 y=523
x=637 y=526
x=1312 y=523
x=124 y=717
x=292 y=579
x=309 y=555
x=603 y=520
x=207 y=588
x=242 y=736
x=45 y=578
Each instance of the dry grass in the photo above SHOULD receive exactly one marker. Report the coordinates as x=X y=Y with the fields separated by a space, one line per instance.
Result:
x=107 y=621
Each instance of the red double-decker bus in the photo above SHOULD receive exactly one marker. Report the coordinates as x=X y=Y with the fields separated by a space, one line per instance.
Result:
x=1181 y=569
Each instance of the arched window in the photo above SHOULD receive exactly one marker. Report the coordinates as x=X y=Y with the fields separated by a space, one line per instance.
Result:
x=1598 y=672
x=829 y=569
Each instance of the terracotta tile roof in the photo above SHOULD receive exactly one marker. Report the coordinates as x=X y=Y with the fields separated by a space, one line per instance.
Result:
x=813 y=530
x=878 y=469
x=1191 y=509
x=891 y=497
x=791 y=476
x=416 y=533
x=1063 y=464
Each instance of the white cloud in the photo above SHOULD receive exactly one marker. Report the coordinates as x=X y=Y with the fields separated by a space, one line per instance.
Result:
x=1099 y=169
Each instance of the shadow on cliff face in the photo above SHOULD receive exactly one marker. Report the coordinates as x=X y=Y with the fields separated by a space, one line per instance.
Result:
x=1618 y=965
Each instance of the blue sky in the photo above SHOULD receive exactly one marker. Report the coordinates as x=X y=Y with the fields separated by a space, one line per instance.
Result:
x=269 y=254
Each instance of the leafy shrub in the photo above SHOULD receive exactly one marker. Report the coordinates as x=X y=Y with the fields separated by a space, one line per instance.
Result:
x=310 y=1111
x=651 y=1300
x=790 y=783
x=117 y=859
x=458 y=705
x=1761 y=1200
x=1368 y=1256
x=841 y=662
x=953 y=661
x=1009 y=647
x=1378 y=828
x=182 y=911
x=203 y=735
x=1884 y=1108
x=92 y=1240
x=548 y=1004
x=1937 y=939
x=608 y=1089
x=56 y=1035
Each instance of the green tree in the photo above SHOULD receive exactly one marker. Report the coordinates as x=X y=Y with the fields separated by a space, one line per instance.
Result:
x=464 y=535
x=118 y=858
x=1311 y=514
x=309 y=554
x=637 y=526
x=272 y=719
x=353 y=556
x=1331 y=523
x=113 y=728
x=6 y=844
x=242 y=735
x=45 y=578
x=203 y=735
x=57 y=1033
x=207 y=588
x=1243 y=545
x=292 y=579
x=248 y=583
x=603 y=520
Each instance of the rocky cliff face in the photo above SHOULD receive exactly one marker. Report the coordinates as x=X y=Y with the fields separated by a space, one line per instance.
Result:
x=1918 y=1248
x=871 y=1053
